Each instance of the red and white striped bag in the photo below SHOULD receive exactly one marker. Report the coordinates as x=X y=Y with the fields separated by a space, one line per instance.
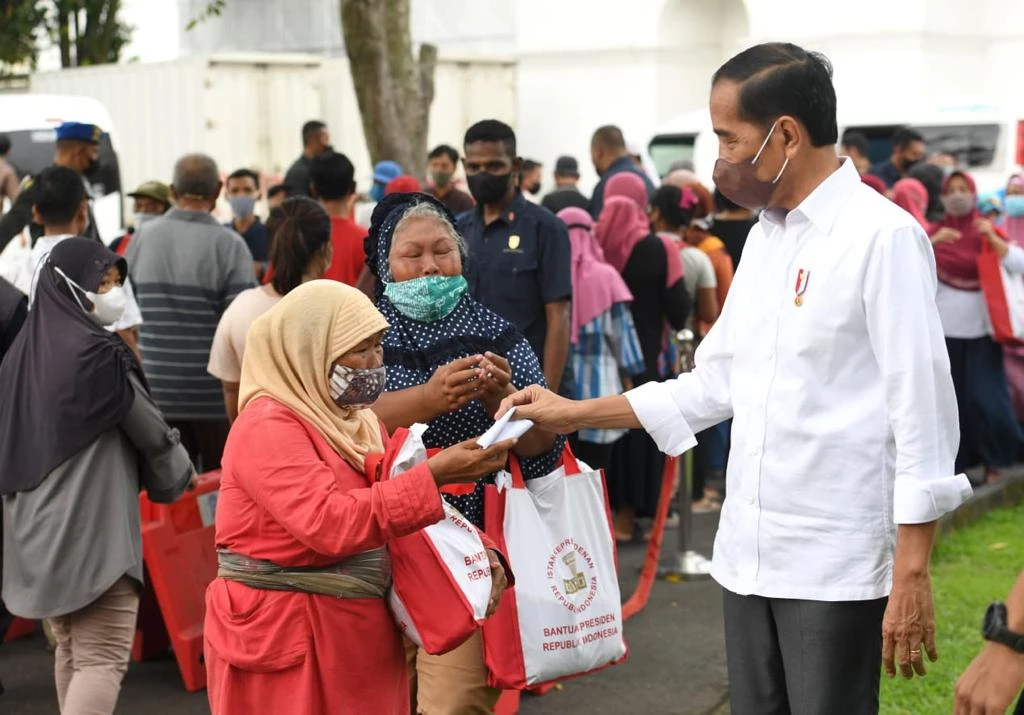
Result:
x=441 y=575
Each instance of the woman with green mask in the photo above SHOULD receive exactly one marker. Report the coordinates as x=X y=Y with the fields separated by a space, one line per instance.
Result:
x=450 y=361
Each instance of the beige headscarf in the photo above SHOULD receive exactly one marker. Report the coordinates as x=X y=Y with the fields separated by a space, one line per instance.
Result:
x=288 y=356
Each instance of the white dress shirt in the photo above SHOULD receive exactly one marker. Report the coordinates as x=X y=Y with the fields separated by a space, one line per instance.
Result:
x=844 y=417
x=25 y=281
x=964 y=313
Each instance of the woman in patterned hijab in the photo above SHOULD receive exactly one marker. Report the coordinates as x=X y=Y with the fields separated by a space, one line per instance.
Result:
x=450 y=361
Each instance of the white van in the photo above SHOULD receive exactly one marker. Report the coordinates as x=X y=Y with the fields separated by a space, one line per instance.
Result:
x=988 y=140
x=31 y=120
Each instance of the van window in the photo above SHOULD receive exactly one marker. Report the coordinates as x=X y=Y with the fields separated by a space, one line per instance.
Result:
x=32 y=151
x=973 y=145
x=666 y=149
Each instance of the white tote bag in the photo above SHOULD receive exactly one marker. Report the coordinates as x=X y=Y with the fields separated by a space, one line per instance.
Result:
x=564 y=616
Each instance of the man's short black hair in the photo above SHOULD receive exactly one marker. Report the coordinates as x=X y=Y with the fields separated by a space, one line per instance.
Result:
x=310 y=130
x=609 y=136
x=444 y=150
x=59 y=192
x=491 y=130
x=5 y=144
x=904 y=137
x=243 y=174
x=530 y=165
x=332 y=176
x=858 y=141
x=780 y=78
x=277 y=189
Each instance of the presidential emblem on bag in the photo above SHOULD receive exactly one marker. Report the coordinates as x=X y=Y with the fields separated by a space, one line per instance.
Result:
x=578 y=582
x=576 y=575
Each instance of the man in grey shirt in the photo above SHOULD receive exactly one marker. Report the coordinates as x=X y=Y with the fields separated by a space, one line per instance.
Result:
x=187 y=268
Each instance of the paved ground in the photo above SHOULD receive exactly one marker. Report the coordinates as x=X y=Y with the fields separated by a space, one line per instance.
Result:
x=677 y=663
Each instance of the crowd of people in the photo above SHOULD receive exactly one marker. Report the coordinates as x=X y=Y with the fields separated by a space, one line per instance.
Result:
x=284 y=352
x=943 y=198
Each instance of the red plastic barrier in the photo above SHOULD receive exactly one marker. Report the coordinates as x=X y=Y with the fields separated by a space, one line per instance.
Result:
x=181 y=561
x=19 y=628
x=649 y=571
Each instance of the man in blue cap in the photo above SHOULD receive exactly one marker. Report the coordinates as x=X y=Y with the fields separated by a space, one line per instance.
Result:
x=384 y=172
x=77 y=149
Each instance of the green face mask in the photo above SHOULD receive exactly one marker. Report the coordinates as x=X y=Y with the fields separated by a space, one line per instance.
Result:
x=427 y=299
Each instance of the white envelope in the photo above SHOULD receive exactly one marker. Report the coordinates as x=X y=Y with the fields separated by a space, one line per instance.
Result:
x=505 y=428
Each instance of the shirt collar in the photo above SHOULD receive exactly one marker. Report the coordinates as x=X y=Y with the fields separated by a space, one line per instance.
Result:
x=45 y=244
x=625 y=161
x=188 y=215
x=821 y=206
x=509 y=215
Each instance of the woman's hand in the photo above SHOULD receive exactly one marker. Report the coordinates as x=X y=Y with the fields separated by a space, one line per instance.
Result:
x=499 y=582
x=944 y=235
x=984 y=227
x=495 y=375
x=466 y=462
x=453 y=385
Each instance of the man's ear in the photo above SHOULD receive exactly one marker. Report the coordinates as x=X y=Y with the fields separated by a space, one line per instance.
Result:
x=792 y=134
x=36 y=218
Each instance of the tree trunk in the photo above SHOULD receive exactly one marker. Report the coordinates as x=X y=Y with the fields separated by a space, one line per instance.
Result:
x=63 y=32
x=393 y=89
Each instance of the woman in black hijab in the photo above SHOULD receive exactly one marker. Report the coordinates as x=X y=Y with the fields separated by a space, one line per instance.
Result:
x=79 y=436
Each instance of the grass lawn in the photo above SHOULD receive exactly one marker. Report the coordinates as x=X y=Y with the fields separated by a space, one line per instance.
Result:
x=970 y=569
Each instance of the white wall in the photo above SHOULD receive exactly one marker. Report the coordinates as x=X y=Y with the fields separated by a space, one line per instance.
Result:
x=247 y=111
x=595 y=62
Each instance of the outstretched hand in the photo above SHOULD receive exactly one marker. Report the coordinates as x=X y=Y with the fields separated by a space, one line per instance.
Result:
x=546 y=409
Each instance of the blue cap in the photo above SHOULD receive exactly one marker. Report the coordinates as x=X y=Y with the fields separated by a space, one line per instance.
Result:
x=990 y=202
x=385 y=171
x=77 y=131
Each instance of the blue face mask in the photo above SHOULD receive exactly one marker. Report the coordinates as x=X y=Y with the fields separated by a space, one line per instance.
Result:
x=427 y=299
x=1014 y=205
x=377 y=192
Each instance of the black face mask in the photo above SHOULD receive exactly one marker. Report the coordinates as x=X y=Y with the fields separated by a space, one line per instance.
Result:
x=535 y=189
x=908 y=164
x=91 y=169
x=488 y=188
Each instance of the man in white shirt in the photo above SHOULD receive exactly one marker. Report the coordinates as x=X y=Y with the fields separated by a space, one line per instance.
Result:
x=61 y=206
x=830 y=359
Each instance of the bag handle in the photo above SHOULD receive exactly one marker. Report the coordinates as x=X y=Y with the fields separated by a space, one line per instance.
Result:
x=516 y=471
x=568 y=461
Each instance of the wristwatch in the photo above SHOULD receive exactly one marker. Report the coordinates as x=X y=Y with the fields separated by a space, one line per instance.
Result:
x=994 y=629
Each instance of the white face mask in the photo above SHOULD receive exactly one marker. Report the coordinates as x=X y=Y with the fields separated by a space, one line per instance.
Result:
x=107 y=307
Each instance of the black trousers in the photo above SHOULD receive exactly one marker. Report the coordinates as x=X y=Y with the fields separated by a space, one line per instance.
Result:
x=803 y=657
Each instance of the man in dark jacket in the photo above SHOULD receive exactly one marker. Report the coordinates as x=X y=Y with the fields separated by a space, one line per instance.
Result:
x=610 y=156
x=77 y=149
